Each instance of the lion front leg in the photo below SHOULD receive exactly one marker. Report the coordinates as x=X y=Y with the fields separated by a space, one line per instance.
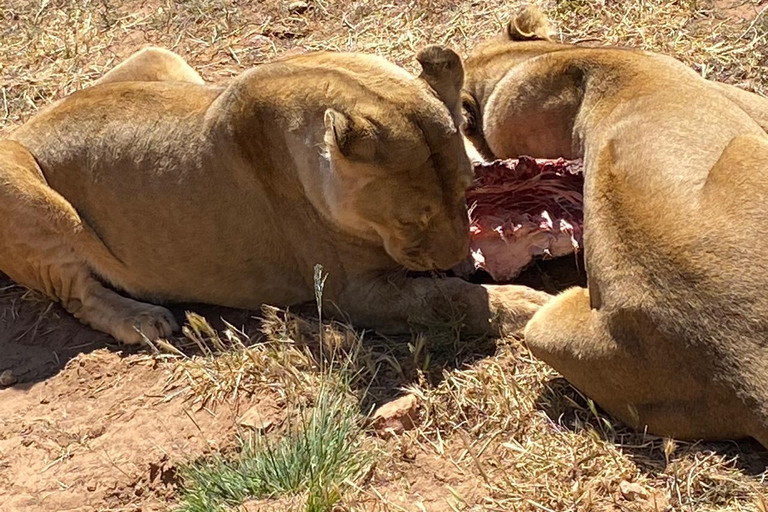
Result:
x=403 y=304
x=46 y=246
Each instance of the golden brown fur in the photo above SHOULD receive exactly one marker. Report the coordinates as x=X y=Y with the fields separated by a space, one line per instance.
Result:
x=672 y=333
x=159 y=186
x=526 y=36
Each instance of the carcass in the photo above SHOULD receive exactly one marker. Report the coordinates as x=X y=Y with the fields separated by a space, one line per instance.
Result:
x=522 y=209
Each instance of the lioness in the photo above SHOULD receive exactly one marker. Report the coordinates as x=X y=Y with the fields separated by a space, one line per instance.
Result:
x=154 y=184
x=672 y=333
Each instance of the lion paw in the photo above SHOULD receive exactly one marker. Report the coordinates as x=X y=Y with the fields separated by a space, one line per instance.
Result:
x=152 y=322
x=514 y=306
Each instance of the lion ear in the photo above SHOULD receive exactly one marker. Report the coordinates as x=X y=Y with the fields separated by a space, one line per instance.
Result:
x=529 y=24
x=471 y=113
x=442 y=70
x=352 y=138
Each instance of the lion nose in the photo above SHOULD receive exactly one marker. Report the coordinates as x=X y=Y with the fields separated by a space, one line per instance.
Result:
x=452 y=251
x=449 y=260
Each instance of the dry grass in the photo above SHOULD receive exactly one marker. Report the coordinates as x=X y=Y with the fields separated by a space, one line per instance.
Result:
x=52 y=47
x=514 y=435
x=712 y=42
x=498 y=431
x=544 y=446
x=288 y=359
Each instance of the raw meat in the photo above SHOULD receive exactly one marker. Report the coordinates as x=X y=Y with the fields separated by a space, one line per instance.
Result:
x=521 y=209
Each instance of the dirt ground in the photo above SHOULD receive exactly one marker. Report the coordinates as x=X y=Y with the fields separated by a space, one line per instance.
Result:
x=89 y=425
x=92 y=425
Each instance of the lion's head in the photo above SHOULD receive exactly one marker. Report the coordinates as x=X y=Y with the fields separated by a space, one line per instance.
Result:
x=398 y=167
x=527 y=35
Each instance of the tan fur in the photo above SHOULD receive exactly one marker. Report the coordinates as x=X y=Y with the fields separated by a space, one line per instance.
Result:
x=672 y=333
x=152 y=64
x=167 y=189
x=529 y=24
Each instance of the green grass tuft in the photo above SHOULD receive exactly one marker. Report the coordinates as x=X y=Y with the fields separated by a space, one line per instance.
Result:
x=318 y=456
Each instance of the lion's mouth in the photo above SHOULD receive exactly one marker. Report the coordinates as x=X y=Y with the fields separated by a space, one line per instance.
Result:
x=523 y=209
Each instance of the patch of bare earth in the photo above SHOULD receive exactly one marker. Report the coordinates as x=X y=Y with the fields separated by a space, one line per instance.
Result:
x=90 y=425
x=103 y=432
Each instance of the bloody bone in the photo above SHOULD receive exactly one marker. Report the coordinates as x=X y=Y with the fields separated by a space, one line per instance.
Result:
x=520 y=210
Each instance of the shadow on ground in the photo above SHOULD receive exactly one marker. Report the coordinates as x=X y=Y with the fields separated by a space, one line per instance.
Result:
x=567 y=407
x=39 y=337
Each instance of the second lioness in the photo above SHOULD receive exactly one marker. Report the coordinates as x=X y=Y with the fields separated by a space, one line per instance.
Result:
x=171 y=190
x=670 y=335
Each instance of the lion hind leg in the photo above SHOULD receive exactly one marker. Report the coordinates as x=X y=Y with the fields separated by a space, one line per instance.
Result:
x=45 y=245
x=152 y=64
x=633 y=373
x=739 y=172
x=566 y=334
x=753 y=104
x=574 y=339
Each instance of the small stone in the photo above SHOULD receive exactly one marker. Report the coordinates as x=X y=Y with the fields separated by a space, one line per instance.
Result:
x=633 y=491
x=659 y=502
x=298 y=7
x=256 y=419
x=7 y=378
x=91 y=487
x=396 y=416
